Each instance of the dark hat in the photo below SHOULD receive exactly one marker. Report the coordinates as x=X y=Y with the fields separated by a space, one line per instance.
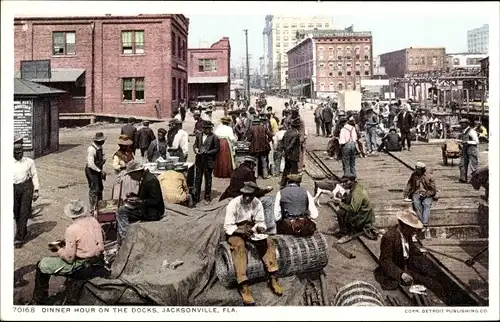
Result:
x=249 y=187
x=295 y=108
x=286 y=111
x=18 y=138
x=196 y=112
x=174 y=121
x=99 y=137
x=295 y=122
x=251 y=110
x=341 y=113
x=466 y=121
x=342 y=119
x=145 y=122
x=269 y=108
x=348 y=177
x=256 y=120
x=392 y=129
x=225 y=119
x=162 y=130
x=208 y=124
x=250 y=159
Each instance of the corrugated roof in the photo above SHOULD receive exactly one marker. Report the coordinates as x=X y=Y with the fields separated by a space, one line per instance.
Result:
x=59 y=75
x=207 y=80
x=25 y=87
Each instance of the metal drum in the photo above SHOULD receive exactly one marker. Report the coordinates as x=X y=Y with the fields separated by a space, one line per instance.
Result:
x=294 y=255
x=358 y=293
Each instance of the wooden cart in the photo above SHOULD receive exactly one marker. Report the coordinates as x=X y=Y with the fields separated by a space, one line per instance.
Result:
x=451 y=150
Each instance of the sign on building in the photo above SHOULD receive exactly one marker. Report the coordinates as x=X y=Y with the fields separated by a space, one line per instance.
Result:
x=389 y=95
x=23 y=121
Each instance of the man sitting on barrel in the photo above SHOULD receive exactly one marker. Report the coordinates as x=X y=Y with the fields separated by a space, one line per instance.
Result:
x=245 y=222
x=294 y=209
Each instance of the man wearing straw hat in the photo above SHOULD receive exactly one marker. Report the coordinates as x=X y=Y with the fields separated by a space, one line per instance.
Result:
x=94 y=169
x=26 y=186
x=146 y=205
x=401 y=260
x=469 y=155
x=83 y=246
x=244 y=223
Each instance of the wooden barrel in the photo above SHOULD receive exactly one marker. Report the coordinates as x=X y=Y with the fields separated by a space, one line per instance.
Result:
x=358 y=293
x=294 y=255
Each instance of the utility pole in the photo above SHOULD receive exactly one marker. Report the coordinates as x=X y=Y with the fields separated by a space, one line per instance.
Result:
x=279 y=71
x=248 y=64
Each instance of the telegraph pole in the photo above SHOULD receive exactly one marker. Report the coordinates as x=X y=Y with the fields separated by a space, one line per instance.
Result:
x=248 y=64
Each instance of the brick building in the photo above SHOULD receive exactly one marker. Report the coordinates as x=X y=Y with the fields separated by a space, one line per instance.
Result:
x=111 y=65
x=328 y=61
x=413 y=60
x=209 y=71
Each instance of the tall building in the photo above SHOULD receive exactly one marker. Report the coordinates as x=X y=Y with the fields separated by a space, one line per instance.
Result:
x=478 y=39
x=328 y=61
x=115 y=65
x=399 y=63
x=209 y=70
x=279 y=36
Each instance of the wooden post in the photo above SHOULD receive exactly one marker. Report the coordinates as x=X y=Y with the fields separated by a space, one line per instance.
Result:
x=467 y=98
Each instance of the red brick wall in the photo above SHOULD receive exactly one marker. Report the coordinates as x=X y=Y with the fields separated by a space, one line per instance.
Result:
x=33 y=40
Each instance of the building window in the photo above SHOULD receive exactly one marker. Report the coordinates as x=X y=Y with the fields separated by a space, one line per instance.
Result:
x=311 y=25
x=358 y=56
x=294 y=26
x=285 y=26
x=174 y=88
x=348 y=73
x=332 y=87
x=434 y=61
x=422 y=60
x=278 y=38
x=277 y=25
x=319 y=25
x=367 y=73
x=411 y=61
x=339 y=57
x=456 y=61
x=207 y=65
x=340 y=73
x=302 y=25
x=185 y=50
x=179 y=47
x=358 y=73
x=367 y=57
x=133 y=42
x=285 y=38
x=367 y=48
x=348 y=64
x=133 y=89
x=322 y=86
x=64 y=43
x=340 y=86
x=327 y=25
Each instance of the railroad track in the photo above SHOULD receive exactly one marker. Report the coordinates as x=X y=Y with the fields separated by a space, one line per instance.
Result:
x=467 y=296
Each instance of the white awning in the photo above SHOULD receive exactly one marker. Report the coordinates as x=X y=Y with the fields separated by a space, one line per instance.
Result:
x=208 y=80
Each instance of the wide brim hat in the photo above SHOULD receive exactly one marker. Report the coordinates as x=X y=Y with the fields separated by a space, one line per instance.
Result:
x=392 y=129
x=250 y=159
x=18 y=138
x=295 y=177
x=162 y=130
x=466 y=121
x=409 y=218
x=174 y=121
x=133 y=166
x=225 y=119
x=420 y=165
x=249 y=187
x=124 y=140
x=196 y=112
x=207 y=125
x=256 y=120
x=99 y=137
x=75 y=209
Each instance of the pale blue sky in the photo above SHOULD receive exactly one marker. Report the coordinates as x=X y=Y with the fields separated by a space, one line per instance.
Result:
x=390 y=32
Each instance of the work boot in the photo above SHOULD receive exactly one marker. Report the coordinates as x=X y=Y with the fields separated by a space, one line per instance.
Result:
x=275 y=286
x=427 y=233
x=246 y=295
x=40 y=293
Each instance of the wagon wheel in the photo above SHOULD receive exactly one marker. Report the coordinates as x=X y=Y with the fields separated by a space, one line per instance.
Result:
x=445 y=159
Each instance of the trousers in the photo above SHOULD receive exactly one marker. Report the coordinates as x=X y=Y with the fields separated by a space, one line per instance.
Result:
x=291 y=167
x=468 y=159
x=277 y=156
x=96 y=186
x=422 y=207
x=202 y=171
x=239 y=253
x=371 y=139
x=262 y=161
x=349 y=158
x=124 y=217
x=268 y=205
x=23 y=198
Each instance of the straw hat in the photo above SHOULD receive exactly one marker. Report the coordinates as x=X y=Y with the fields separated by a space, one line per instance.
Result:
x=420 y=165
x=409 y=218
x=75 y=209
x=295 y=177
x=18 y=138
x=99 y=137
x=466 y=121
x=250 y=159
x=225 y=119
x=124 y=140
x=249 y=187
x=133 y=166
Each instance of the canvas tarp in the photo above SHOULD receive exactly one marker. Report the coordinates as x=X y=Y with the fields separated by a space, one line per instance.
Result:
x=141 y=275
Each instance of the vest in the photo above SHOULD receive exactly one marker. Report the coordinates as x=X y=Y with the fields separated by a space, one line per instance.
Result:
x=465 y=135
x=99 y=157
x=294 y=201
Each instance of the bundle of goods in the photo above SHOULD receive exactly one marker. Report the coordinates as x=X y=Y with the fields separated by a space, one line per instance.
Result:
x=242 y=146
x=294 y=255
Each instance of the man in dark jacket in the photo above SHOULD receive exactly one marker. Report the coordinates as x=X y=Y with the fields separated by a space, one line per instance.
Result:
x=206 y=147
x=146 y=205
x=291 y=144
x=391 y=141
x=198 y=122
x=130 y=131
x=405 y=123
x=401 y=259
x=327 y=116
x=144 y=138
x=158 y=148
x=259 y=137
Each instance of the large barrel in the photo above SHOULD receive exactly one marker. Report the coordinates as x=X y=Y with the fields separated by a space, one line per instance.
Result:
x=358 y=293
x=294 y=255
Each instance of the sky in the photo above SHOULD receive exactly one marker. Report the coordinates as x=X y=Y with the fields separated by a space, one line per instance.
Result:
x=390 y=32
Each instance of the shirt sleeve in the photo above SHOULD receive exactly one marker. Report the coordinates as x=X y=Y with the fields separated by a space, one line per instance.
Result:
x=342 y=136
x=176 y=141
x=68 y=252
x=91 y=151
x=34 y=176
x=313 y=211
x=277 y=206
x=230 y=220
x=259 y=220
x=356 y=202
x=185 y=143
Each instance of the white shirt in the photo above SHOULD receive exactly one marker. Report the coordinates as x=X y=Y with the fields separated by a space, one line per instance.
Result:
x=278 y=137
x=181 y=139
x=237 y=212
x=178 y=117
x=225 y=131
x=406 y=246
x=313 y=211
x=474 y=139
x=25 y=169
x=348 y=134
x=91 y=152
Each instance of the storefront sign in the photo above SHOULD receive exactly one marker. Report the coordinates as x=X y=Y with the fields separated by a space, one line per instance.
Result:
x=23 y=121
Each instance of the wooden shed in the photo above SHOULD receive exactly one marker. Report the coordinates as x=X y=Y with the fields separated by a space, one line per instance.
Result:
x=36 y=116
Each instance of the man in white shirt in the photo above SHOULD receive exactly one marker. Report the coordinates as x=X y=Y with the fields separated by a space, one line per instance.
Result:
x=244 y=223
x=26 y=186
x=294 y=209
x=348 y=142
x=469 y=156
x=278 y=150
x=94 y=169
x=180 y=144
